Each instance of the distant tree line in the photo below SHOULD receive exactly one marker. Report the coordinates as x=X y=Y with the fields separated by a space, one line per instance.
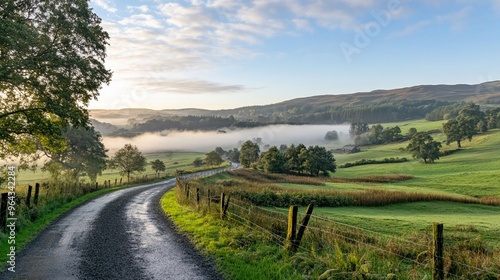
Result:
x=204 y=123
x=373 y=113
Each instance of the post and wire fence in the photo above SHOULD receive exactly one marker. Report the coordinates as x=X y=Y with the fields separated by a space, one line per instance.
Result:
x=300 y=232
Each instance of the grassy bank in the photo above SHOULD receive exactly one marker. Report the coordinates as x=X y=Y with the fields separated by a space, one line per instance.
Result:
x=238 y=252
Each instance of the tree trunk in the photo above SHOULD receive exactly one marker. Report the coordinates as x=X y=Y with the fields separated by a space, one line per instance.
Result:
x=128 y=176
x=458 y=143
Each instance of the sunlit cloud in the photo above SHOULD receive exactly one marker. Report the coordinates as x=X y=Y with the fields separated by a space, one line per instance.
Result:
x=106 y=5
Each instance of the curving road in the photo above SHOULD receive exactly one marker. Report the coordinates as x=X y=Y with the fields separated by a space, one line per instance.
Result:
x=121 y=235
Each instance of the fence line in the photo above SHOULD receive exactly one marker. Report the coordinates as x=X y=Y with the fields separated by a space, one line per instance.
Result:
x=273 y=223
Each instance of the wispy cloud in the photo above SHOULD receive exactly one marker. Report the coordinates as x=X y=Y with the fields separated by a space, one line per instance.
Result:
x=456 y=20
x=105 y=4
x=185 y=86
x=412 y=28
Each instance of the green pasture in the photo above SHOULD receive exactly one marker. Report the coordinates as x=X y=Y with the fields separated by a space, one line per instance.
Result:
x=473 y=171
x=477 y=221
x=173 y=161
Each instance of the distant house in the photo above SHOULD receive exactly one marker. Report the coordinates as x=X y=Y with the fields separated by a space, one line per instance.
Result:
x=349 y=149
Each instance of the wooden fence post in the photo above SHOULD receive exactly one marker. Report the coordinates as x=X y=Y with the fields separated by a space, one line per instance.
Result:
x=223 y=205
x=37 y=192
x=28 y=197
x=303 y=227
x=208 y=199
x=291 y=233
x=3 y=212
x=437 y=252
x=197 y=196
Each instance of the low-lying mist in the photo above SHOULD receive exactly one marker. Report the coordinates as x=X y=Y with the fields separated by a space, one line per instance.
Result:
x=205 y=141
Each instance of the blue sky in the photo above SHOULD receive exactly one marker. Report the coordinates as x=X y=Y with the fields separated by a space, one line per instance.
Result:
x=217 y=54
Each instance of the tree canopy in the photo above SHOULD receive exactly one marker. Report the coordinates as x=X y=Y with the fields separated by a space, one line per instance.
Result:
x=470 y=121
x=83 y=154
x=52 y=57
x=423 y=146
x=213 y=158
x=249 y=153
x=158 y=166
x=129 y=160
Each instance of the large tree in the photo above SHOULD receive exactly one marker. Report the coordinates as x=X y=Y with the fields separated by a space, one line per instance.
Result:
x=470 y=121
x=318 y=159
x=129 y=160
x=249 y=153
x=51 y=65
x=423 y=146
x=294 y=163
x=273 y=161
x=213 y=158
x=158 y=166
x=82 y=154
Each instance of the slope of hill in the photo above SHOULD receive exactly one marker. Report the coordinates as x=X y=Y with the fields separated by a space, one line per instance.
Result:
x=327 y=108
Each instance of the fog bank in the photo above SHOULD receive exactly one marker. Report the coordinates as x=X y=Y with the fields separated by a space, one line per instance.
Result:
x=205 y=141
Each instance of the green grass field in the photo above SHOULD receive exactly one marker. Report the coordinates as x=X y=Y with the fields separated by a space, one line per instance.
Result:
x=173 y=161
x=473 y=171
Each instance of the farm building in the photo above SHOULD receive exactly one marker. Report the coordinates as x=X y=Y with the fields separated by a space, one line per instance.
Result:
x=349 y=149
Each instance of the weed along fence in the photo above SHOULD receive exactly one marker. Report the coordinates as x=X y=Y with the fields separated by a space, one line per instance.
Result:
x=353 y=252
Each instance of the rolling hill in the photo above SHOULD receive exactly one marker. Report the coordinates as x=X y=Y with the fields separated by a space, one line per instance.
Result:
x=314 y=109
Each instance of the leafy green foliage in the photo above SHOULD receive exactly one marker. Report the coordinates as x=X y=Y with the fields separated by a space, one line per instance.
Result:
x=423 y=146
x=82 y=155
x=469 y=122
x=129 y=160
x=273 y=161
x=249 y=153
x=213 y=158
x=52 y=59
x=197 y=162
x=158 y=166
x=373 y=161
x=332 y=135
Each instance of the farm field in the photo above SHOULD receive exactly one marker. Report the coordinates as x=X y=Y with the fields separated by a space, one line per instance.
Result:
x=173 y=161
x=470 y=172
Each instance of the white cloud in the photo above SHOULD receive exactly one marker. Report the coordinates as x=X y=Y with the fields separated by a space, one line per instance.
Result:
x=143 y=20
x=142 y=9
x=186 y=86
x=105 y=4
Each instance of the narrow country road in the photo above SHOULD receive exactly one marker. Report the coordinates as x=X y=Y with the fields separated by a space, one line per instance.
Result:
x=121 y=235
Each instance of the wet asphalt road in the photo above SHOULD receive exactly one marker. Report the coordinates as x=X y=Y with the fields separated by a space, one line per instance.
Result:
x=121 y=235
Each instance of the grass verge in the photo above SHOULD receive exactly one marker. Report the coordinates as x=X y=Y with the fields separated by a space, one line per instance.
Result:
x=238 y=252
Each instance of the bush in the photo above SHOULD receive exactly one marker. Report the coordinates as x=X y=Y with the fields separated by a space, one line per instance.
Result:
x=373 y=161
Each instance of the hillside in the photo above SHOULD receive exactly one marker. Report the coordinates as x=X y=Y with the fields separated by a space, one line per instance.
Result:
x=388 y=105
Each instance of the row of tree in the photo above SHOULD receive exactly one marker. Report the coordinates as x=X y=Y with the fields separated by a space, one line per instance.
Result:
x=298 y=159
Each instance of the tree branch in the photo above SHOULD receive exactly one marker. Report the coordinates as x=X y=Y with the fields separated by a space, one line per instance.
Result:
x=20 y=111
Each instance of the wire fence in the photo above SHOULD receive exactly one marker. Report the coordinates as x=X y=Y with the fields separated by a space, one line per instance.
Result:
x=324 y=235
